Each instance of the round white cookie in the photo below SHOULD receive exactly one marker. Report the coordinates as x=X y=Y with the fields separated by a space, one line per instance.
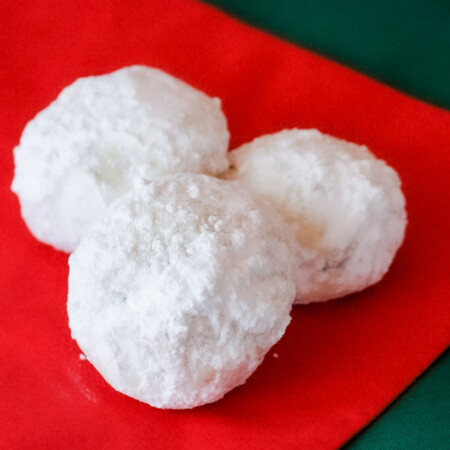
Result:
x=179 y=290
x=344 y=206
x=103 y=136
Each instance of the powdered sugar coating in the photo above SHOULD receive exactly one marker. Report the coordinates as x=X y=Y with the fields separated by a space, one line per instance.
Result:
x=103 y=136
x=345 y=207
x=179 y=290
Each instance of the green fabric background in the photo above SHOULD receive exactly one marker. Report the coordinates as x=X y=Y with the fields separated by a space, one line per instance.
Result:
x=419 y=419
x=405 y=44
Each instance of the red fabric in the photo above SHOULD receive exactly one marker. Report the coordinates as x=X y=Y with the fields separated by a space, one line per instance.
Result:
x=340 y=363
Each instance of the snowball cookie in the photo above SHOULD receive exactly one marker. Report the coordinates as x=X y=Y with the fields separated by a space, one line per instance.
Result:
x=106 y=134
x=344 y=206
x=179 y=290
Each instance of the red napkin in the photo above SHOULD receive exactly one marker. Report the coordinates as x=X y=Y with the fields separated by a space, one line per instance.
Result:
x=339 y=363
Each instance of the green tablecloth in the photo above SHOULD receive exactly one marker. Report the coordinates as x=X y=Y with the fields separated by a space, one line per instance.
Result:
x=405 y=44
x=419 y=419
